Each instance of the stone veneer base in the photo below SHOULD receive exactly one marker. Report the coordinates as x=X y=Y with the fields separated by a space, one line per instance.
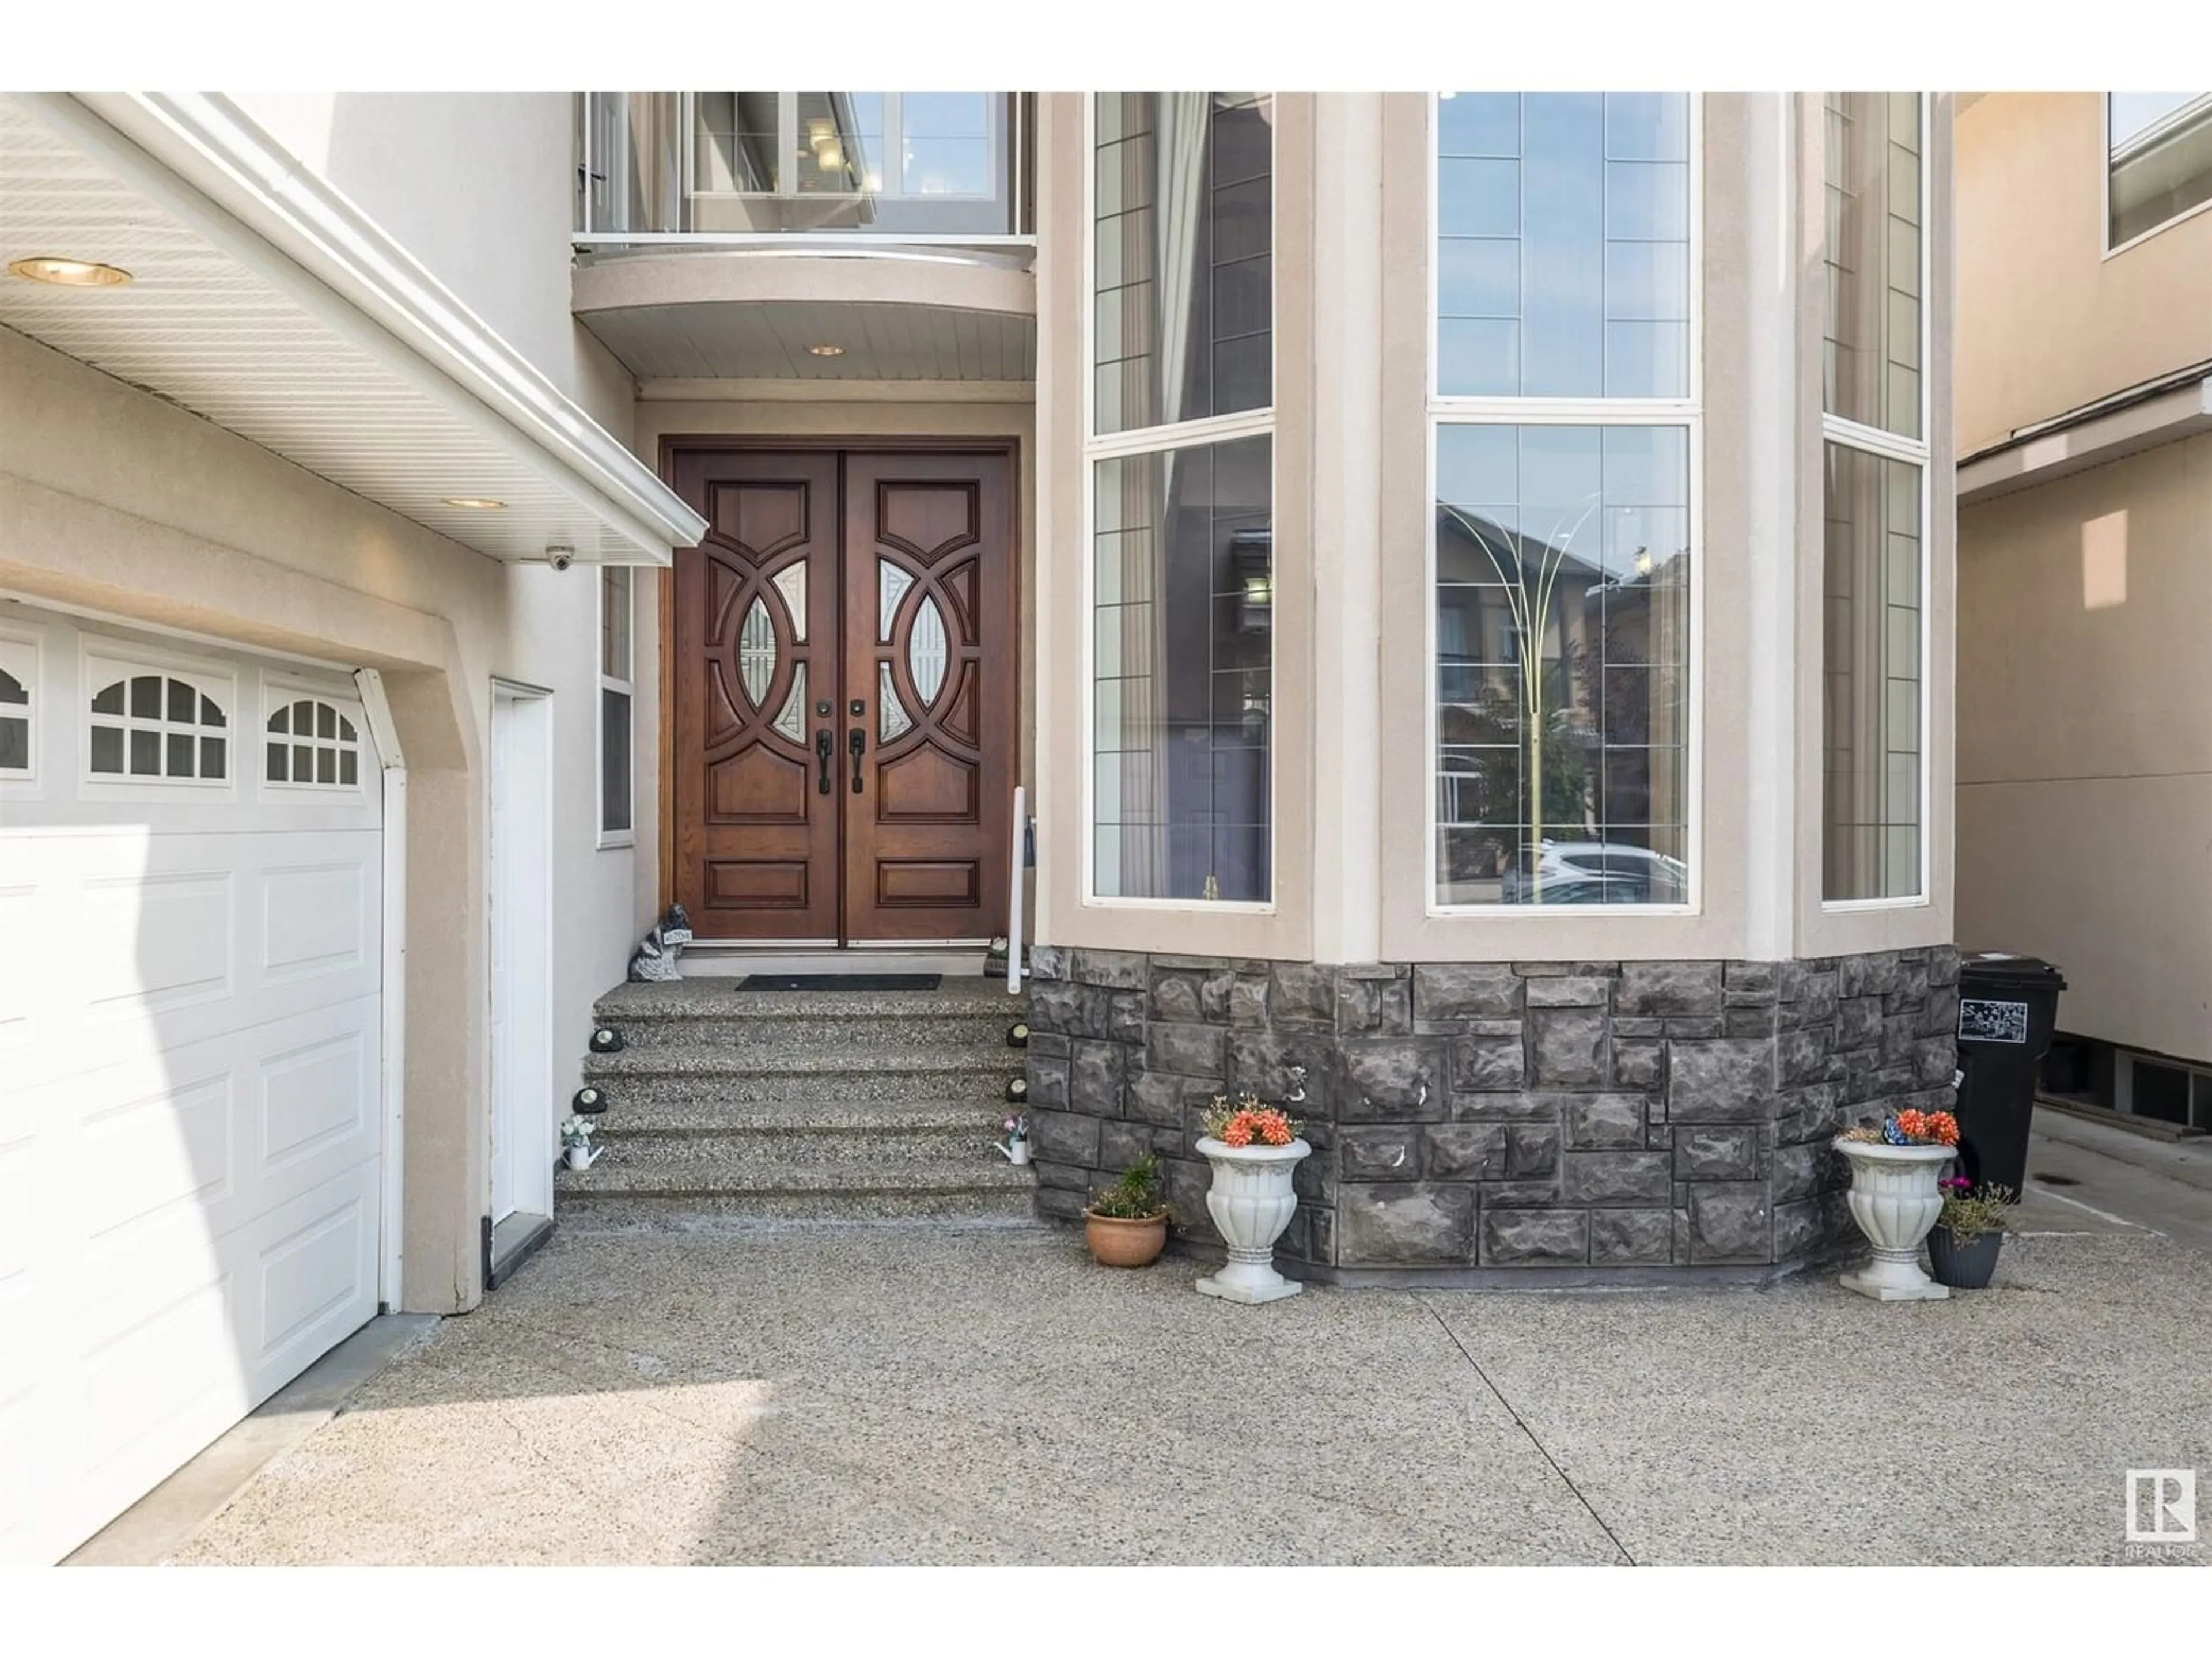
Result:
x=1495 y=1124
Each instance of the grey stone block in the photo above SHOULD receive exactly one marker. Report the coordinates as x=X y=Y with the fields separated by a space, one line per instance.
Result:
x=1393 y=1079
x=1488 y=1063
x=1728 y=1080
x=1183 y=1184
x=1188 y=1050
x=1858 y=1022
x=1639 y=1063
x=1802 y=1170
x=1731 y=1221
x=1065 y=1137
x=1711 y=1151
x=1800 y=1229
x=1125 y=1016
x=1175 y=996
x=1056 y=1204
x=1940 y=1018
x=1801 y=1056
x=1531 y=1150
x=1384 y=1152
x=1616 y=1177
x=1064 y=1007
x=1301 y=993
x=1535 y=1238
x=1933 y=1060
x=1372 y=1005
x=1465 y=1152
x=1116 y=971
x=1465 y=990
x=1377 y=1225
x=1047 y=961
x=1047 y=1045
x=1944 y=965
x=1248 y=1001
x=1096 y=1077
x=1161 y=1098
x=1567 y=1047
x=1631 y=1237
x=1569 y=991
x=1276 y=1065
x=1520 y=1194
x=1515 y=1107
x=1752 y=976
x=1048 y=1081
x=1750 y=1022
x=1604 y=1121
x=1668 y=988
x=1066 y=1176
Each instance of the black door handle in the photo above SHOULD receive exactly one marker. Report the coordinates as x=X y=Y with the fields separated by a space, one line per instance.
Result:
x=856 y=740
x=825 y=746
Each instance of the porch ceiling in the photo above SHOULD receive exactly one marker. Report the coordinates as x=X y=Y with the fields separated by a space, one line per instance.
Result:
x=264 y=302
x=702 y=313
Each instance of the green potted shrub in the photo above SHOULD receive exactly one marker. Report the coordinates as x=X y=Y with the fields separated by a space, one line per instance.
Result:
x=1127 y=1224
x=1962 y=1250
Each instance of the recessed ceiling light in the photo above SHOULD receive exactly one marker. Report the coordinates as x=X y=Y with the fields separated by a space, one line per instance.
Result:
x=68 y=273
x=827 y=351
x=483 y=502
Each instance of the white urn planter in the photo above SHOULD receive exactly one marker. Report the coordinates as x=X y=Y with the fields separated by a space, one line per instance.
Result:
x=1251 y=1202
x=1895 y=1200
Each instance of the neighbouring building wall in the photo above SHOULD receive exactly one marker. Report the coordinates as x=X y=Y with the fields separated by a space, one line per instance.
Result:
x=2047 y=321
x=2085 y=754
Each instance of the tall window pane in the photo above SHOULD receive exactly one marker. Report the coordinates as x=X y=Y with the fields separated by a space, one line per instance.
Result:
x=1562 y=654
x=1873 y=367
x=1182 y=577
x=2160 y=158
x=1871 y=596
x=1563 y=244
x=1184 y=222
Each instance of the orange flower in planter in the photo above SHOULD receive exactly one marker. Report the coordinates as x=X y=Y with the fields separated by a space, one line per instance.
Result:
x=1248 y=1122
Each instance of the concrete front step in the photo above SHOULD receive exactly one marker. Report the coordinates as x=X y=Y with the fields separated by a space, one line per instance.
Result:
x=856 y=1123
x=700 y=1178
x=953 y=1148
x=656 y=1211
x=674 y=1076
x=870 y=1034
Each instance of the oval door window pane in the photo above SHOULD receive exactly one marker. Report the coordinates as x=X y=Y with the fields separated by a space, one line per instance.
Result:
x=756 y=651
x=792 y=722
x=926 y=653
x=791 y=582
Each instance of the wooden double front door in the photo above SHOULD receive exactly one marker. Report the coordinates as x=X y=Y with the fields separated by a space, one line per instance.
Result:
x=843 y=684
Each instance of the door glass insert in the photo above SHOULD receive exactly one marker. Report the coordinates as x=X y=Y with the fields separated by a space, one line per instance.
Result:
x=791 y=582
x=756 y=651
x=892 y=583
x=925 y=652
x=894 y=723
x=792 y=722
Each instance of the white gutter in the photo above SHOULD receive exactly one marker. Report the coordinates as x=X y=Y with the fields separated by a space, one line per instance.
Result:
x=204 y=160
x=2075 y=443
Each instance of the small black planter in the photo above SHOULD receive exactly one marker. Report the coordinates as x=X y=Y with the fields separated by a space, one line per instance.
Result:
x=1963 y=1267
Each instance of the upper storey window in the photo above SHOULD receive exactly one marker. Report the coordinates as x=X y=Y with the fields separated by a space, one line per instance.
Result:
x=2158 y=161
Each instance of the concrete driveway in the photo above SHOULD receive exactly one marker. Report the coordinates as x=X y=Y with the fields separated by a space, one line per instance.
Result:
x=794 y=1393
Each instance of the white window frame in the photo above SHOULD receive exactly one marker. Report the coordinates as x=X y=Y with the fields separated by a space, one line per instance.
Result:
x=1155 y=440
x=1875 y=441
x=603 y=838
x=101 y=662
x=2188 y=113
x=22 y=656
x=1686 y=413
x=278 y=693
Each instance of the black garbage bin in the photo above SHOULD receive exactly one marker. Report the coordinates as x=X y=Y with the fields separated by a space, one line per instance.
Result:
x=2008 y=1007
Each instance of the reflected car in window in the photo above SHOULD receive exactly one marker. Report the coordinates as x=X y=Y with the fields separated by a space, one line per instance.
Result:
x=1594 y=873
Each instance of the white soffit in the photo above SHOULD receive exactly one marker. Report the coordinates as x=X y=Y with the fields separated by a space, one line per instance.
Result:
x=264 y=301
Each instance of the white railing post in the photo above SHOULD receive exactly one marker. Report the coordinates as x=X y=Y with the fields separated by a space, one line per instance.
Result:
x=1014 y=887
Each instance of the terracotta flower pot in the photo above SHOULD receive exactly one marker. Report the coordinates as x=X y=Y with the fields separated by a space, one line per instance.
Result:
x=1116 y=1242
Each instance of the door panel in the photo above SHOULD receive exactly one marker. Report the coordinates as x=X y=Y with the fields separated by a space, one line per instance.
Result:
x=927 y=538
x=756 y=647
x=882 y=584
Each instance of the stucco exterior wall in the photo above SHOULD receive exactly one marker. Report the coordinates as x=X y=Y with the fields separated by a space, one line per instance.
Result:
x=2085 y=762
x=116 y=501
x=2047 y=321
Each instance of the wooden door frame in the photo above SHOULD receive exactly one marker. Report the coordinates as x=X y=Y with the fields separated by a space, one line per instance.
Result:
x=674 y=444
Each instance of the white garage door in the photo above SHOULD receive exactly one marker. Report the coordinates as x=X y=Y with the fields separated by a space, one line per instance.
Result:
x=190 y=1054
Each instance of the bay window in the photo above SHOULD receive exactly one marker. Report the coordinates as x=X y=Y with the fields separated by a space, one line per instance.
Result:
x=1874 y=494
x=1179 y=449
x=1564 y=428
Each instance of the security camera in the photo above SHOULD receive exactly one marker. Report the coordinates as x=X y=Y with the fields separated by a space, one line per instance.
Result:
x=560 y=558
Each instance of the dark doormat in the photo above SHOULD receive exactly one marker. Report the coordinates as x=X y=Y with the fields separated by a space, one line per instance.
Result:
x=840 y=982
